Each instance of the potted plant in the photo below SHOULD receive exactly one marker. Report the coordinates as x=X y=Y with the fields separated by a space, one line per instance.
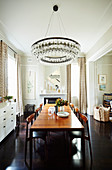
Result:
x=8 y=97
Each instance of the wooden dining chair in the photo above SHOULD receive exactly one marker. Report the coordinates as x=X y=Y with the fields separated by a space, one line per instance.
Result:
x=72 y=106
x=36 y=134
x=78 y=134
x=37 y=112
x=76 y=112
x=41 y=107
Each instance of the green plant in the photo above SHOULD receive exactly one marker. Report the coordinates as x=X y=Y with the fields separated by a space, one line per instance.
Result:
x=8 y=97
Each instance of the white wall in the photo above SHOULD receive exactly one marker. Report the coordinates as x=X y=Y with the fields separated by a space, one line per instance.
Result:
x=90 y=87
x=102 y=46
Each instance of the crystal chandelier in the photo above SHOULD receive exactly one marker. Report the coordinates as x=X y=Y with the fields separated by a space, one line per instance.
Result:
x=55 y=50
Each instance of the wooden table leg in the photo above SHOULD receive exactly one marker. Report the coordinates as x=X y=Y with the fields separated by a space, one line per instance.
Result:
x=83 y=146
x=30 y=149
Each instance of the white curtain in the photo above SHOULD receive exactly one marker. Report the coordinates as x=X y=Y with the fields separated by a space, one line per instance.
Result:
x=82 y=85
x=19 y=86
x=3 y=69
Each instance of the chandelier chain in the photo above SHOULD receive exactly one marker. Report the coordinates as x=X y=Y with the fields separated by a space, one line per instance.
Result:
x=61 y=24
x=48 y=27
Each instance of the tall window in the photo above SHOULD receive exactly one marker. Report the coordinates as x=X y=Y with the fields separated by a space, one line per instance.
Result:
x=74 y=83
x=12 y=76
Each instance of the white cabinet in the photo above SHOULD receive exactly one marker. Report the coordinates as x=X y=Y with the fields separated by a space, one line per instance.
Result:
x=7 y=119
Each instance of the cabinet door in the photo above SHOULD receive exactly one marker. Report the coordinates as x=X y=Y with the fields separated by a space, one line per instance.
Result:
x=13 y=107
x=9 y=126
x=2 y=112
x=3 y=119
x=2 y=131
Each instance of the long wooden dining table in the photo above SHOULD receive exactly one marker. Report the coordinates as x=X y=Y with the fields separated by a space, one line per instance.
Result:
x=46 y=122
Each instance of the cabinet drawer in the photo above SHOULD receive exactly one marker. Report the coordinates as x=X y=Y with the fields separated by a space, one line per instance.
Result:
x=12 y=107
x=3 y=119
x=3 y=129
x=10 y=126
x=10 y=121
x=12 y=114
x=3 y=112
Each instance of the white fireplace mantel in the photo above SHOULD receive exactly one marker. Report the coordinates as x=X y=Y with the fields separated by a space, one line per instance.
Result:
x=53 y=95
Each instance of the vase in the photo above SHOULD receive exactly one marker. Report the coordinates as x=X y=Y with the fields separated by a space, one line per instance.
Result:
x=61 y=108
x=56 y=109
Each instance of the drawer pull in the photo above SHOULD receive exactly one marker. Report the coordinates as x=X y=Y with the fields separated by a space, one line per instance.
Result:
x=12 y=114
x=4 y=111
x=11 y=107
x=3 y=126
x=11 y=120
x=4 y=119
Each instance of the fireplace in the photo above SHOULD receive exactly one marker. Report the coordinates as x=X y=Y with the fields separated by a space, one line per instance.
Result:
x=51 y=97
x=50 y=100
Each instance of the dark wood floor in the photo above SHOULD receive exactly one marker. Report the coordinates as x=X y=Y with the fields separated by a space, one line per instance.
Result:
x=12 y=150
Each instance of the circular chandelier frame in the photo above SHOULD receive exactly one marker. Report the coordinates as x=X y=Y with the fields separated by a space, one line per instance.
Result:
x=55 y=50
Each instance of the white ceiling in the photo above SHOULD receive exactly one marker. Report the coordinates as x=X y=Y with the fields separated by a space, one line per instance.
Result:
x=23 y=22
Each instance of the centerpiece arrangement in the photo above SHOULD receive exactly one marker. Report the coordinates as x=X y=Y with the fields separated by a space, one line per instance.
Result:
x=61 y=103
